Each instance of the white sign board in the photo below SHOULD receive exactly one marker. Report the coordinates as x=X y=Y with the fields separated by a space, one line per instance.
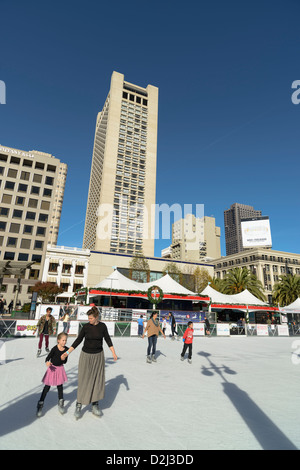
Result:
x=223 y=329
x=26 y=328
x=283 y=330
x=262 y=330
x=41 y=310
x=256 y=233
x=199 y=329
x=72 y=328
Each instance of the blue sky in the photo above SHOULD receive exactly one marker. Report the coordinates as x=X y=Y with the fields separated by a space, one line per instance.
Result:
x=227 y=131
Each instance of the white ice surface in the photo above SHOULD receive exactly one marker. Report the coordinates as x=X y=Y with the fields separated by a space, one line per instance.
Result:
x=239 y=393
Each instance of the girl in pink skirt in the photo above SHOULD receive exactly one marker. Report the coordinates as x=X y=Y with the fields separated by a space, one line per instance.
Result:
x=55 y=374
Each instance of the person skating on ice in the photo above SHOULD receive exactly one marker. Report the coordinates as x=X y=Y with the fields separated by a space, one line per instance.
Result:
x=173 y=325
x=152 y=329
x=188 y=342
x=91 y=367
x=55 y=374
x=46 y=326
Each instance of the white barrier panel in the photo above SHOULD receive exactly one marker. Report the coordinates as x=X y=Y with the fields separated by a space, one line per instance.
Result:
x=110 y=327
x=41 y=310
x=283 y=330
x=82 y=312
x=199 y=329
x=223 y=329
x=73 y=327
x=26 y=328
x=262 y=330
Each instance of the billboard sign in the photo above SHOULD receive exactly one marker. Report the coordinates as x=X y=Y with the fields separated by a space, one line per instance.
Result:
x=256 y=232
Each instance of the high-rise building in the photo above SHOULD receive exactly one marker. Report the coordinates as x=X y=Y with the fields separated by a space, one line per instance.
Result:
x=31 y=194
x=232 y=222
x=123 y=171
x=194 y=239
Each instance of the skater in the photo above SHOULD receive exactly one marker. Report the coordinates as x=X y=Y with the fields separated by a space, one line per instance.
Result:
x=153 y=328
x=140 y=326
x=91 y=376
x=188 y=342
x=207 y=326
x=173 y=325
x=46 y=326
x=164 y=325
x=55 y=374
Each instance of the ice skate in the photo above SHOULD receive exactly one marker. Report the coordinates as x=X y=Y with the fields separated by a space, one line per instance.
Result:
x=47 y=350
x=38 y=352
x=190 y=361
x=39 y=409
x=95 y=409
x=77 y=413
x=61 y=406
x=149 y=359
x=153 y=358
x=182 y=358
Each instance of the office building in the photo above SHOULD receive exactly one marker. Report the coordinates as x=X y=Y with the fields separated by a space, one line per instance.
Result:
x=31 y=194
x=194 y=239
x=123 y=171
x=232 y=222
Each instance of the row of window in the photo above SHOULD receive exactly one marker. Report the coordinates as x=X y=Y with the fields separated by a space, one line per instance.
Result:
x=25 y=176
x=12 y=256
x=27 y=163
x=36 y=190
x=134 y=98
x=20 y=201
x=18 y=214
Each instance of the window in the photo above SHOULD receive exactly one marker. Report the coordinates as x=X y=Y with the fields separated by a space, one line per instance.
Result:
x=43 y=218
x=25 y=243
x=39 y=165
x=28 y=229
x=36 y=258
x=15 y=160
x=4 y=211
x=35 y=190
x=14 y=228
x=30 y=215
x=6 y=198
x=27 y=163
x=20 y=201
x=11 y=241
x=47 y=192
x=37 y=178
x=22 y=187
x=2 y=226
x=9 y=255
x=49 y=180
x=12 y=173
x=38 y=245
x=33 y=203
x=45 y=205
x=40 y=231
x=25 y=175
x=9 y=185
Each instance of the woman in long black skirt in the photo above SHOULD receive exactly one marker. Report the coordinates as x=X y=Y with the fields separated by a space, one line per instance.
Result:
x=91 y=376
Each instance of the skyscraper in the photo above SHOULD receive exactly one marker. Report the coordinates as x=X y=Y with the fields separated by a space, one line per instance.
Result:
x=31 y=195
x=123 y=171
x=232 y=222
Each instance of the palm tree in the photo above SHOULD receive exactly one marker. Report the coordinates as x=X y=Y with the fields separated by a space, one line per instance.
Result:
x=239 y=279
x=287 y=290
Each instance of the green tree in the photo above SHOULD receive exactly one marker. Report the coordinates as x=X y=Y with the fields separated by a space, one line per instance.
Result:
x=239 y=279
x=173 y=270
x=287 y=290
x=202 y=278
x=47 y=291
x=139 y=268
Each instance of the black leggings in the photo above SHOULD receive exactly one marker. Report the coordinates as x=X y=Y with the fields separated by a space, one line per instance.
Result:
x=46 y=390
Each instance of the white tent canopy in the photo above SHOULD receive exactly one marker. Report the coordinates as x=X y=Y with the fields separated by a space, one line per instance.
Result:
x=245 y=297
x=294 y=307
x=117 y=281
x=66 y=294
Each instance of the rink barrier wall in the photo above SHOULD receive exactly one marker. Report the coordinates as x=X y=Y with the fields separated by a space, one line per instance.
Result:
x=28 y=328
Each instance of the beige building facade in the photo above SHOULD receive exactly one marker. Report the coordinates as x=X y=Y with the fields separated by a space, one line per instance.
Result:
x=194 y=239
x=266 y=264
x=123 y=171
x=67 y=267
x=31 y=197
x=102 y=264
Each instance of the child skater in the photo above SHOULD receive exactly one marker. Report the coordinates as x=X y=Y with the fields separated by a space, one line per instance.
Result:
x=55 y=374
x=188 y=341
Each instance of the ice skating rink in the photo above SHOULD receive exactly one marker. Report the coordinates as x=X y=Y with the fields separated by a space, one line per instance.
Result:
x=238 y=394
